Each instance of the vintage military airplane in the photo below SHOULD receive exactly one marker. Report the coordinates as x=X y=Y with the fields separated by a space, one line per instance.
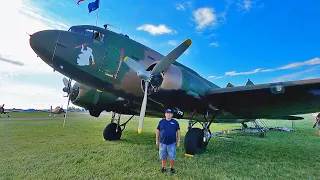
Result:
x=56 y=111
x=115 y=73
x=3 y=111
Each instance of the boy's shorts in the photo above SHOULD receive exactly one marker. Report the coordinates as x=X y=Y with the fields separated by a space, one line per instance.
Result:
x=165 y=150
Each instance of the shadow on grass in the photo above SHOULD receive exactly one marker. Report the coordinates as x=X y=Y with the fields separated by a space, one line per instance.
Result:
x=131 y=136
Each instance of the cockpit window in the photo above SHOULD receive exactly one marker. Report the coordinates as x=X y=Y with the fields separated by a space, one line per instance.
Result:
x=99 y=36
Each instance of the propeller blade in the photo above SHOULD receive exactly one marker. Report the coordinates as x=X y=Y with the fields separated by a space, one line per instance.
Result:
x=134 y=65
x=164 y=63
x=65 y=115
x=143 y=107
x=65 y=82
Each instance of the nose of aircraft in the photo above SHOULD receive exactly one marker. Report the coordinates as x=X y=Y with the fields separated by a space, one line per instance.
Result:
x=43 y=44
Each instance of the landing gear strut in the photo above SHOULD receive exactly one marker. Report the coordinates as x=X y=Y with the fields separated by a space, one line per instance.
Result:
x=196 y=139
x=113 y=130
x=260 y=129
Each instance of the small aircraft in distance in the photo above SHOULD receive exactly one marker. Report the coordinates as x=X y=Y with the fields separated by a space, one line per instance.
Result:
x=3 y=111
x=116 y=73
x=58 y=110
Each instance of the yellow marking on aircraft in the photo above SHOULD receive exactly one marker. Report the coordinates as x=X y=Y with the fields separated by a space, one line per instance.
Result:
x=188 y=41
x=188 y=155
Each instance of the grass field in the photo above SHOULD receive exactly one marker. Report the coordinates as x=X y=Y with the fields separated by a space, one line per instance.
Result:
x=41 y=114
x=46 y=150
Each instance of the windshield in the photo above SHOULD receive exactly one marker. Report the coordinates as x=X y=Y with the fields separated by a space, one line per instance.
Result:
x=97 y=35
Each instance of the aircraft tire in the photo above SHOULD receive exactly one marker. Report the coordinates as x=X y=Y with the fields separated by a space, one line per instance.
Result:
x=193 y=142
x=110 y=134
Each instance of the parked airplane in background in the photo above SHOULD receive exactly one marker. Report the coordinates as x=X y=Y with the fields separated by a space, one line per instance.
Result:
x=116 y=73
x=58 y=110
x=3 y=111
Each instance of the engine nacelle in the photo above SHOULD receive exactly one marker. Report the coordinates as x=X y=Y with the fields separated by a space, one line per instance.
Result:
x=168 y=80
x=90 y=98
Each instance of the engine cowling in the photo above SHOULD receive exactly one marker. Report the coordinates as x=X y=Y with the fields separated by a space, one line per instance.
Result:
x=90 y=98
x=168 y=80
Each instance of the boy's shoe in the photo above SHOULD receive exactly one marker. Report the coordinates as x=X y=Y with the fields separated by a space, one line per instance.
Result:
x=172 y=171
x=163 y=170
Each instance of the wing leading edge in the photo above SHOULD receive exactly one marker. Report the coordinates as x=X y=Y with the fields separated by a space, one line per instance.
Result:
x=268 y=101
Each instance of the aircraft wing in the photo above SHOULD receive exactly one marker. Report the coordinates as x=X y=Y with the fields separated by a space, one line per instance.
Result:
x=268 y=101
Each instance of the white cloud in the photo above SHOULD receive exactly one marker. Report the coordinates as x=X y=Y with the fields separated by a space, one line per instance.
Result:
x=311 y=62
x=214 y=44
x=17 y=95
x=21 y=18
x=245 y=5
x=215 y=77
x=204 y=17
x=156 y=30
x=180 y=7
x=223 y=15
x=234 y=73
x=173 y=43
x=293 y=76
x=314 y=61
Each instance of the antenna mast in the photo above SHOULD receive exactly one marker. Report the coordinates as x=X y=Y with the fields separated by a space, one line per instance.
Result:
x=134 y=19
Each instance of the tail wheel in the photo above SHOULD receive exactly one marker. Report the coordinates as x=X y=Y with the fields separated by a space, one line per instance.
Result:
x=193 y=143
x=112 y=132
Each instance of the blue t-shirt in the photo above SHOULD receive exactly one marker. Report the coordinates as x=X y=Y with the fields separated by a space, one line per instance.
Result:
x=168 y=131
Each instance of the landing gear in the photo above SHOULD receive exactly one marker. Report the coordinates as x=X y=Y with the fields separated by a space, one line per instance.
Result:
x=196 y=139
x=244 y=125
x=113 y=130
x=260 y=129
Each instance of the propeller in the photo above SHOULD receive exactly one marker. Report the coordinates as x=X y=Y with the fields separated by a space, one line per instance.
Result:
x=161 y=66
x=67 y=89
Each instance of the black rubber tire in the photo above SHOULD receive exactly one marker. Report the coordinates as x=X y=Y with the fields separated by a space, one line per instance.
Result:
x=110 y=133
x=193 y=142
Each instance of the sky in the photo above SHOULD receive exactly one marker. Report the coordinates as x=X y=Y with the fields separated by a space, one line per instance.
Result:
x=232 y=40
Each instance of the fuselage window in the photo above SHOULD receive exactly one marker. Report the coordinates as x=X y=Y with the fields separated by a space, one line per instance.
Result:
x=77 y=30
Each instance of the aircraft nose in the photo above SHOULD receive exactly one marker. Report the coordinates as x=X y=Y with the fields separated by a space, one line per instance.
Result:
x=43 y=44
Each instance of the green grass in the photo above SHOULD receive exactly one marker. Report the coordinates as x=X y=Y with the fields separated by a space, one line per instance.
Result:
x=41 y=114
x=46 y=150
